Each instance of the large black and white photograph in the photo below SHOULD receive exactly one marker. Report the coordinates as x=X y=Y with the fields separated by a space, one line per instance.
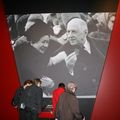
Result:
x=61 y=47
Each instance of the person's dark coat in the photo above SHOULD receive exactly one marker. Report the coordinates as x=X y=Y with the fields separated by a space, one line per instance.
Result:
x=87 y=69
x=16 y=101
x=68 y=107
x=32 y=98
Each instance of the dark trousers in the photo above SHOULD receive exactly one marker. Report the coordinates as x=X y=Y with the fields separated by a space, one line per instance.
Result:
x=28 y=114
x=22 y=114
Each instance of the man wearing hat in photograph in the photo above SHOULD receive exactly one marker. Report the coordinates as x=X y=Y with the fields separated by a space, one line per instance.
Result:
x=31 y=50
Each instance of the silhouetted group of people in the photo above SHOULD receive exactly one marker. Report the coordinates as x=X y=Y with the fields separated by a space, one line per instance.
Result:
x=28 y=100
x=65 y=103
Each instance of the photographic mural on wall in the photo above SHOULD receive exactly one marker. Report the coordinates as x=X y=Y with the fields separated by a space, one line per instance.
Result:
x=61 y=47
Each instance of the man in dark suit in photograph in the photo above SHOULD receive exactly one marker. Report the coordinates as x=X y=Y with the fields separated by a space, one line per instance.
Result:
x=78 y=59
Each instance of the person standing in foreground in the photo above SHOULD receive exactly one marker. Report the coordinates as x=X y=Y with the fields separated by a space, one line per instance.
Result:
x=32 y=100
x=68 y=106
x=56 y=94
x=16 y=101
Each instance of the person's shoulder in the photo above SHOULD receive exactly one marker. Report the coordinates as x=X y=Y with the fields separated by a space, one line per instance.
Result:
x=61 y=88
x=55 y=90
x=37 y=88
x=63 y=95
x=32 y=88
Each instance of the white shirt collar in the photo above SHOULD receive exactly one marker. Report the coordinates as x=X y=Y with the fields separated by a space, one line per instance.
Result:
x=87 y=47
